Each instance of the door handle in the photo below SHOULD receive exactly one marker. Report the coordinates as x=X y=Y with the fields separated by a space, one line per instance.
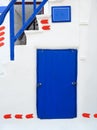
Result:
x=39 y=84
x=74 y=83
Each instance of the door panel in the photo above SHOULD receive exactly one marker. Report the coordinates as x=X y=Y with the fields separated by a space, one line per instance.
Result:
x=56 y=83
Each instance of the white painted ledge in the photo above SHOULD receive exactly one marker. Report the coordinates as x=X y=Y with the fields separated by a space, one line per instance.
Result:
x=30 y=32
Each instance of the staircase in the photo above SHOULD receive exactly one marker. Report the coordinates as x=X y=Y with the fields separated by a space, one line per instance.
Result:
x=25 y=23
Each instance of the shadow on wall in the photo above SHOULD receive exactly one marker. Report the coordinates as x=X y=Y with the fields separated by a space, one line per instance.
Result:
x=22 y=39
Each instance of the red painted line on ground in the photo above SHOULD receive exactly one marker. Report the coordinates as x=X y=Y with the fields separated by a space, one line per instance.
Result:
x=2 y=28
x=44 y=21
x=2 y=33
x=86 y=115
x=28 y=116
x=18 y=116
x=7 y=116
x=2 y=38
x=1 y=44
x=46 y=27
x=95 y=115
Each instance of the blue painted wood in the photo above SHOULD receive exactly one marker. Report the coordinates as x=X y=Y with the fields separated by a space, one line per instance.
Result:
x=34 y=4
x=23 y=12
x=12 y=33
x=56 y=90
x=2 y=8
x=61 y=14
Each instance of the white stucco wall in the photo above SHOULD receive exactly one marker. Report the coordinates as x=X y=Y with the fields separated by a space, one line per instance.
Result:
x=4 y=2
x=18 y=86
x=5 y=50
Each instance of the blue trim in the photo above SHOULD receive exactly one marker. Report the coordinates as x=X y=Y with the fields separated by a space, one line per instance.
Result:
x=23 y=12
x=34 y=4
x=12 y=33
x=61 y=14
x=2 y=8
x=30 y=19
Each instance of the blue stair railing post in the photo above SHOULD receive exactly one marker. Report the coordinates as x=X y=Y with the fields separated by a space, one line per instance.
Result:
x=34 y=1
x=12 y=33
x=23 y=12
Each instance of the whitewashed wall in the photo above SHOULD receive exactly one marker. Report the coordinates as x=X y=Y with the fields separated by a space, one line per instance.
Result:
x=5 y=50
x=4 y=2
x=18 y=86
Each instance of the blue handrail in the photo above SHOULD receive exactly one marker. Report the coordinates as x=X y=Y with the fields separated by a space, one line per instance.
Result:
x=25 y=24
x=31 y=18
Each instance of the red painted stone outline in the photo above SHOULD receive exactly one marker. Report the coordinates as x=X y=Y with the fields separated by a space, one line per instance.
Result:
x=46 y=27
x=2 y=28
x=2 y=33
x=1 y=36
x=1 y=39
x=29 y=116
x=18 y=116
x=86 y=115
x=1 y=44
x=7 y=116
x=95 y=115
x=44 y=21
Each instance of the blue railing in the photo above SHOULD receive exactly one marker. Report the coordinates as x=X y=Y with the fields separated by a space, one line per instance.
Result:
x=25 y=23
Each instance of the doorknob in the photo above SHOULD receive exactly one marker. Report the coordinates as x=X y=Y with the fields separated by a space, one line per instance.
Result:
x=74 y=83
x=39 y=84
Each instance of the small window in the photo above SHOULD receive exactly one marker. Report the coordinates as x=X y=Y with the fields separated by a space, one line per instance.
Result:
x=61 y=14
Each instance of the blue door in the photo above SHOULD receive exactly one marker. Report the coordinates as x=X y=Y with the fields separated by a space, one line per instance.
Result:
x=56 y=83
